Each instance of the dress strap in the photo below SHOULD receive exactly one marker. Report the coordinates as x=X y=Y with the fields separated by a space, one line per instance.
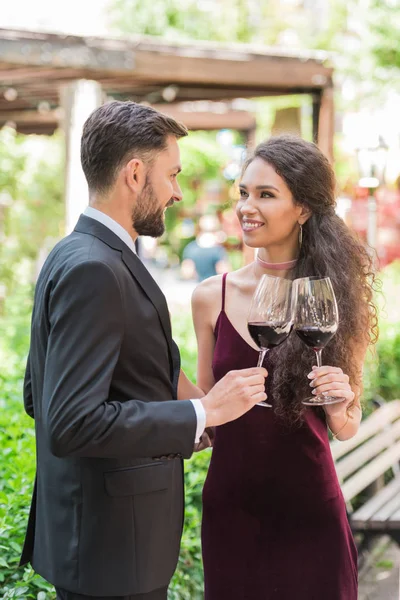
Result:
x=223 y=291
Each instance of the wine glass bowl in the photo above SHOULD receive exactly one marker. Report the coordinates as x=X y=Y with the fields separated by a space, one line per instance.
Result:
x=270 y=319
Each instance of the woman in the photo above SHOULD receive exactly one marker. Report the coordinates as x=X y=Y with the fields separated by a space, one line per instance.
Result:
x=274 y=518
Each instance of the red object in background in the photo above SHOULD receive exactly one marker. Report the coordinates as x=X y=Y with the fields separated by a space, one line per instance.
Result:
x=388 y=221
x=388 y=237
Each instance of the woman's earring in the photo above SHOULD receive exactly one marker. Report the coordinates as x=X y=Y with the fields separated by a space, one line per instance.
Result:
x=300 y=235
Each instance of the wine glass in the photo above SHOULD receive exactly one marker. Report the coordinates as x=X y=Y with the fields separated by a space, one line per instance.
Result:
x=316 y=320
x=270 y=318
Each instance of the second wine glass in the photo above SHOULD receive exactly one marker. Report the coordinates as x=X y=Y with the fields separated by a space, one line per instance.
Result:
x=270 y=318
x=316 y=320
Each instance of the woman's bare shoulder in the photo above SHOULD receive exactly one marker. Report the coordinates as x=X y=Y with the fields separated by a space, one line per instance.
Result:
x=207 y=292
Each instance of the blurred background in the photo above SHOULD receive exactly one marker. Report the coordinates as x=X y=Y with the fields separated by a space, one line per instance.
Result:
x=235 y=72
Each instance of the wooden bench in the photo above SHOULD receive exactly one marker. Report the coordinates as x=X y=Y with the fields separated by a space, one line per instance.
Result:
x=369 y=464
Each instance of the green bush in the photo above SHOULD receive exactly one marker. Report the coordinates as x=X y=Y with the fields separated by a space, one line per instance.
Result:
x=382 y=368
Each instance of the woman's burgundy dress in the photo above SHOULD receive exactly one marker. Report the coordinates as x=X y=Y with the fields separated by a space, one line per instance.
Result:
x=274 y=519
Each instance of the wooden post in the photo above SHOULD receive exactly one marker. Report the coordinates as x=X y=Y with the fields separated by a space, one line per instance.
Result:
x=326 y=125
x=78 y=99
x=249 y=253
x=316 y=109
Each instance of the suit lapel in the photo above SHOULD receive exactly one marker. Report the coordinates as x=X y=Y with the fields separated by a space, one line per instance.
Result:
x=152 y=291
x=137 y=270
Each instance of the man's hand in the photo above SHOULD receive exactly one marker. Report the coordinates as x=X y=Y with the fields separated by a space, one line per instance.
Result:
x=234 y=395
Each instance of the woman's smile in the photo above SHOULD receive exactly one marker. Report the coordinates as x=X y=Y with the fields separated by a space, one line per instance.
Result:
x=251 y=224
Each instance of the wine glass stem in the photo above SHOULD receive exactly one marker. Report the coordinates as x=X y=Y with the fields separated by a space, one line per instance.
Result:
x=319 y=357
x=261 y=357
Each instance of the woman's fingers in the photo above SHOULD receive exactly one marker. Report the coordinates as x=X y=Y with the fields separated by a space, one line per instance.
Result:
x=336 y=389
x=320 y=371
x=260 y=397
x=330 y=381
x=346 y=394
x=327 y=375
x=327 y=384
x=256 y=389
x=255 y=380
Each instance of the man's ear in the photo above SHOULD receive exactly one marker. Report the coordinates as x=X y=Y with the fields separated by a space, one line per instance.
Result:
x=135 y=175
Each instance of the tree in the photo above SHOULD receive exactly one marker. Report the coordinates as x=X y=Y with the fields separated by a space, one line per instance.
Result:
x=384 y=21
x=34 y=209
x=214 y=20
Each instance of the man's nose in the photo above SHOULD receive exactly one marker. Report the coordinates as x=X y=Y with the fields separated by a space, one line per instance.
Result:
x=178 y=194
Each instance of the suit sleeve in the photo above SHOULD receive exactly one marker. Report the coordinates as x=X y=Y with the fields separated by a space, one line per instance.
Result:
x=86 y=333
x=28 y=400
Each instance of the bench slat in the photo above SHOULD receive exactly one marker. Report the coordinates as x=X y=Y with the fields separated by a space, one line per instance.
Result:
x=372 y=448
x=365 y=512
x=394 y=521
x=374 y=423
x=371 y=472
x=385 y=513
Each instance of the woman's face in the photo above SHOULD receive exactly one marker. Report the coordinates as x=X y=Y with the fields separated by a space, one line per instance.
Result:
x=266 y=210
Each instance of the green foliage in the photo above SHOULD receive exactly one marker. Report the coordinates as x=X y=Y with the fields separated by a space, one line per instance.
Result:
x=203 y=161
x=388 y=349
x=17 y=463
x=384 y=22
x=188 y=579
x=225 y=20
x=382 y=372
x=267 y=23
x=32 y=181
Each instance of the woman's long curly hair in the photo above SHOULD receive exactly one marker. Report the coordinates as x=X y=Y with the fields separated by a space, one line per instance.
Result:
x=328 y=249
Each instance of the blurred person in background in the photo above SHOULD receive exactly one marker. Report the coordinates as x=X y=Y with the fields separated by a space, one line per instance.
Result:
x=205 y=256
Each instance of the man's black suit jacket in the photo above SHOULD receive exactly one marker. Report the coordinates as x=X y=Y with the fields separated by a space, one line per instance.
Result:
x=101 y=379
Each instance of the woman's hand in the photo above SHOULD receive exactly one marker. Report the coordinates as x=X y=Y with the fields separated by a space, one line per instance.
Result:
x=206 y=440
x=331 y=381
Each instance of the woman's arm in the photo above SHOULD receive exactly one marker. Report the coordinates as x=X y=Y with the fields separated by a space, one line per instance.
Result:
x=205 y=341
x=203 y=311
x=187 y=389
x=343 y=418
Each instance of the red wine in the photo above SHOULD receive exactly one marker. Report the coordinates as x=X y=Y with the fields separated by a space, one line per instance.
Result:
x=268 y=335
x=315 y=337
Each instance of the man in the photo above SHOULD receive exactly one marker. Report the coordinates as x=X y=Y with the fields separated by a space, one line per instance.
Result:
x=103 y=377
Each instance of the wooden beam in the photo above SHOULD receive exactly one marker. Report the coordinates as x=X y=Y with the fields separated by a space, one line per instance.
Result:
x=50 y=117
x=208 y=120
x=42 y=49
x=201 y=62
x=257 y=71
x=232 y=119
x=17 y=75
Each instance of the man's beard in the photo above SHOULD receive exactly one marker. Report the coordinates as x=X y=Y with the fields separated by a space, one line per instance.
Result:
x=147 y=215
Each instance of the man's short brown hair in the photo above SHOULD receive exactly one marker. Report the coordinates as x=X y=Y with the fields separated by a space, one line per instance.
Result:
x=116 y=132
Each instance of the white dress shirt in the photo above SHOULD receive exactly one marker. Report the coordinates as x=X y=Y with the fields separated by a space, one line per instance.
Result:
x=116 y=228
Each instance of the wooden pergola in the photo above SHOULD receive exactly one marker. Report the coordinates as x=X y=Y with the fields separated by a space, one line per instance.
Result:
x=51 y=80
